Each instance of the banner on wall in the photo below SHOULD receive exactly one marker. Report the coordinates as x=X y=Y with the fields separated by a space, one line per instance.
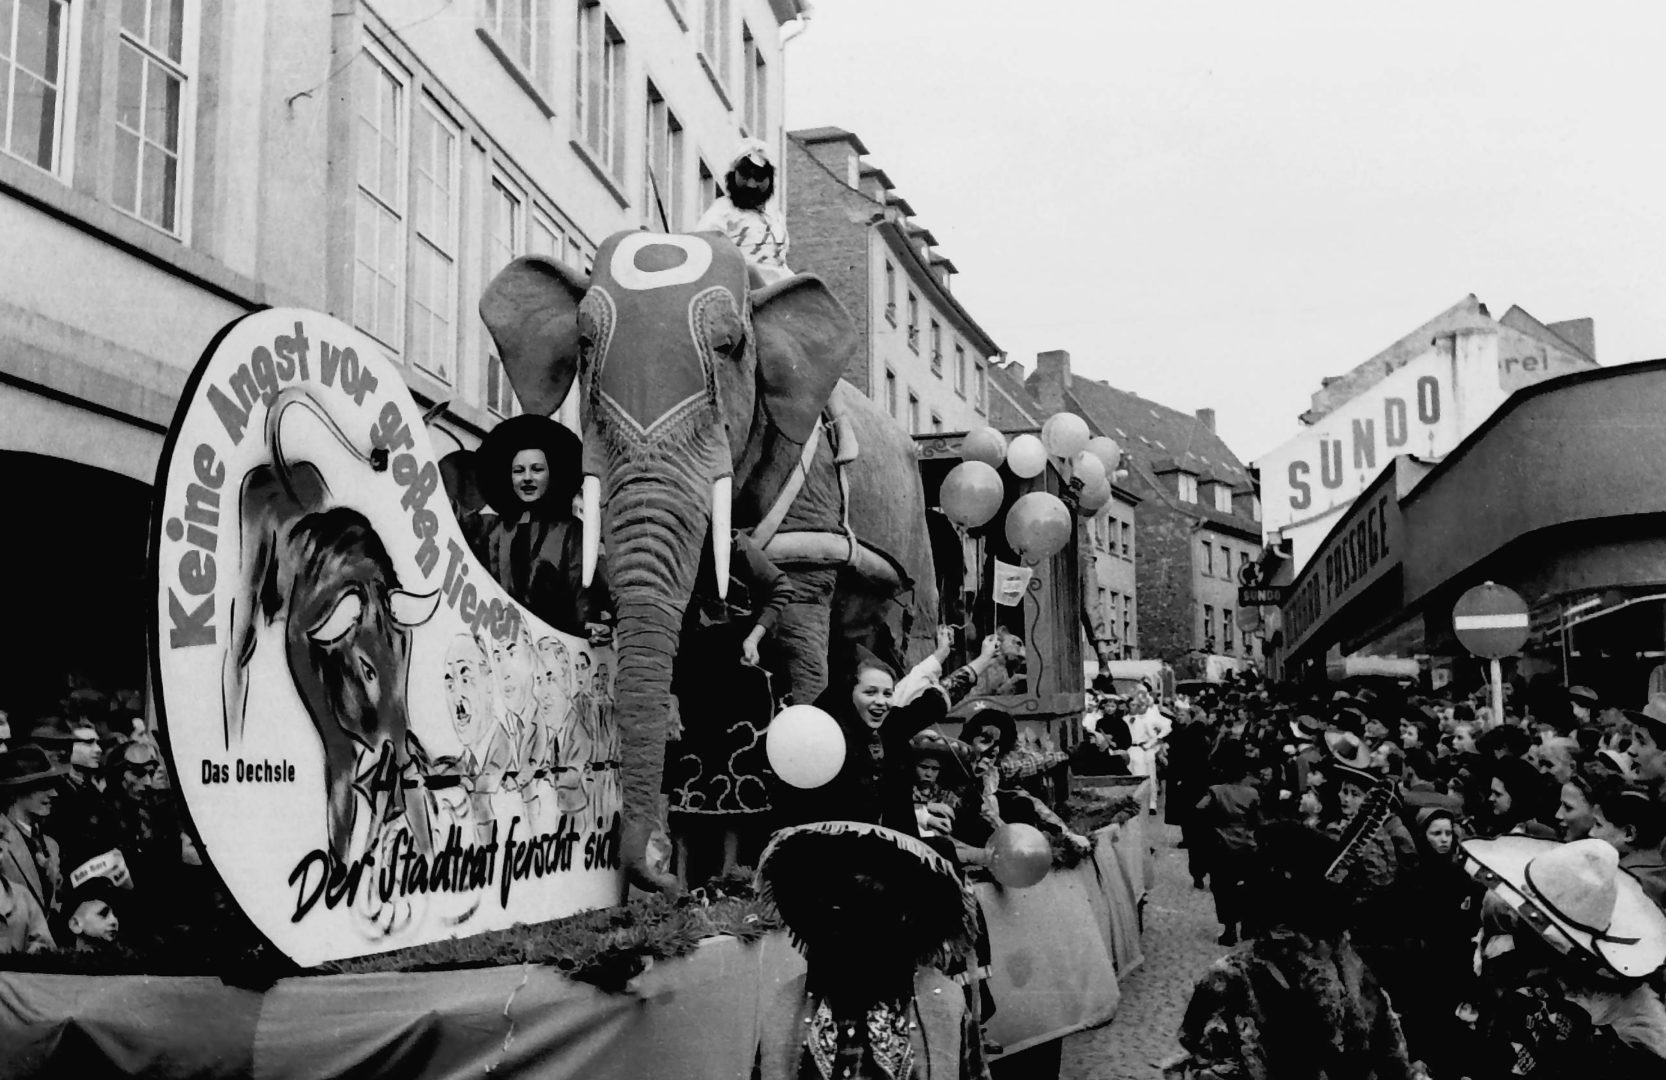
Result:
x=377 y=747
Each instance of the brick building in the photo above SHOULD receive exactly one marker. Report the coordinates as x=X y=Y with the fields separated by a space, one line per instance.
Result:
x=174 y=165
x=925 y=359
x=1198 y=524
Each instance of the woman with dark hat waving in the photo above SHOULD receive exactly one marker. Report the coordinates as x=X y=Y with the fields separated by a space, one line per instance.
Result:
x=528 y=468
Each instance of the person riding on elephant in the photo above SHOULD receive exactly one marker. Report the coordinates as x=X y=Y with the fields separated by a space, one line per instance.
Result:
x=528 y=468
x=748 y=213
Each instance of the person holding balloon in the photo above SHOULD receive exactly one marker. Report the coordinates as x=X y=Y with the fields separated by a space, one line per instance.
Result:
x=993 y=736
x=875 y=780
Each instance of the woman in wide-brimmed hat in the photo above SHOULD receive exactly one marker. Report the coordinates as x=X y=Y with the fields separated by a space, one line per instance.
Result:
x=529 y=471
x=1568 y=943
x=876 y=914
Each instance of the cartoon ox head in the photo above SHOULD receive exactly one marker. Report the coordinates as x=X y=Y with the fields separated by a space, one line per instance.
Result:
x=347 y=638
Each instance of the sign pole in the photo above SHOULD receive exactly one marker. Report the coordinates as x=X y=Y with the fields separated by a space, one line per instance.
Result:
x=1497 y=692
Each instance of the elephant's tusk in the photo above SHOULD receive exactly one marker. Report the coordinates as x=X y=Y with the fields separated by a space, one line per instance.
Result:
x=721 y=496
x=592 y=512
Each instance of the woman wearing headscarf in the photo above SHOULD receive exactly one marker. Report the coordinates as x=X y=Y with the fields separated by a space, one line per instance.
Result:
x=528 y=468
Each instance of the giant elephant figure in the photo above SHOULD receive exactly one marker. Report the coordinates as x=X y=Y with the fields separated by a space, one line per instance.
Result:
x=710 y=401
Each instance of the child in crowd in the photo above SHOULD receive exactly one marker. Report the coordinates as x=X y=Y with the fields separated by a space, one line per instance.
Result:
x=91 y=914
x=1636 y=825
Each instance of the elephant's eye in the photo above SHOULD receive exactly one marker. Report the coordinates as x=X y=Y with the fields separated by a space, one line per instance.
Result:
x=729 y=343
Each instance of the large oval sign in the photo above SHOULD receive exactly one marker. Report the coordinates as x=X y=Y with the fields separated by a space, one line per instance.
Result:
x=377 y=747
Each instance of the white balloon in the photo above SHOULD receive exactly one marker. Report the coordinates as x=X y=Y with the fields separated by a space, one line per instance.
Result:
x=1107 y=451
x=805 y=746
x=1026 y=456
x=1087 y=468
x=1065 y=434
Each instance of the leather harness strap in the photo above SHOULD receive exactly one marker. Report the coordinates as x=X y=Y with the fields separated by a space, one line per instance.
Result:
x=771 y=523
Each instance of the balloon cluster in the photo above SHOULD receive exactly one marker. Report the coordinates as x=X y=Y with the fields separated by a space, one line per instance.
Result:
x=1038 y=526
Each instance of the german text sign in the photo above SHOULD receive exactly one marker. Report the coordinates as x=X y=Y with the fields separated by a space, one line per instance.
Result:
x=376 y=745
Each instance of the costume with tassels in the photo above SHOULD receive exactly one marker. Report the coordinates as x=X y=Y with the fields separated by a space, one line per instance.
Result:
x=875 y=913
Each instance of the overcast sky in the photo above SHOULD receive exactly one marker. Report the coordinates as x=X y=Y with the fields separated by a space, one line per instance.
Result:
x=1216 y=204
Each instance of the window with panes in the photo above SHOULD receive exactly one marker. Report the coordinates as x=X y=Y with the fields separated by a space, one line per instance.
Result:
x=756 y=90
x=662 y=174
x=598 y=98
x=34 y=55
x=522 y=29
x=715 y=23
x=379 y=213
x=505 y=219
x=435 y=153
x=150 y=112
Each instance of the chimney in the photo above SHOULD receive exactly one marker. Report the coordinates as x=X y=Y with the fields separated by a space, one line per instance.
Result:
x=1051 y=380
x=1206 y=417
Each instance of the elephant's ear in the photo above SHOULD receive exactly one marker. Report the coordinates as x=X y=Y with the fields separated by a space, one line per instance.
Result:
x=805 y=338
x=531 y=311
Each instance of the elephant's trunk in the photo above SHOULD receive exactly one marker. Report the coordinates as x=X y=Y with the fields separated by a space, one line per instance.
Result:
x=657 y=517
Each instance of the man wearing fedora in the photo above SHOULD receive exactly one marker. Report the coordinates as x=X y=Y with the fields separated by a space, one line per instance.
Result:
x=29 y=782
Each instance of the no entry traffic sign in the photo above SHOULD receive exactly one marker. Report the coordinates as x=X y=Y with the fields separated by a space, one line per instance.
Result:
x=1491 y=621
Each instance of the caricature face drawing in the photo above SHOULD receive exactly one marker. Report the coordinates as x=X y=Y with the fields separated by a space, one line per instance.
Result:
x=602 y=684
x=583 y=667
x=465 y=689
x=543 y=679
x=554 y=654
x=512 y=663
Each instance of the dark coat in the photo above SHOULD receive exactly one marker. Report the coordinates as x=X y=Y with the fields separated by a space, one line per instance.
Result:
x=554 y=589
x=876 y=782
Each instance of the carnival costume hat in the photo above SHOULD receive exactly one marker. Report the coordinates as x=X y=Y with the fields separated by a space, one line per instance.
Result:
x=1577 y=898
x=794 y=868
x=528 y=432
x=26 y=767
x=1347 y=754
x=989 y=716
x=1651 y=716
x=931 y=743
x=755 y=152
x=1307 y=726
x=1584 y=695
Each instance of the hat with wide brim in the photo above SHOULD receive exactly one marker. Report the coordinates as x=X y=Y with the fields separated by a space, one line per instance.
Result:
x=931 y=743
x=1307 y=726
x=25 y=767
x=794 y=868
x=497 y=453
x=1563 y=892
x=1584 y=695
x=1346 y=753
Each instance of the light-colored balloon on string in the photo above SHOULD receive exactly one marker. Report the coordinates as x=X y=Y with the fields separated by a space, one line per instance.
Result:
x=971 y=494
x=1026 y=456
x=1038 y=526
x=1065 y=434
x=984 y=444
x=804 y=746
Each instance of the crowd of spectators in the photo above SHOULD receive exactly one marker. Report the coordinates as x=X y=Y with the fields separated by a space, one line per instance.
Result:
x=1387 y=784
x=93 y=853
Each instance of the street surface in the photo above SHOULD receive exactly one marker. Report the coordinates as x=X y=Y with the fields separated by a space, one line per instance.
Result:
x=1179 y=942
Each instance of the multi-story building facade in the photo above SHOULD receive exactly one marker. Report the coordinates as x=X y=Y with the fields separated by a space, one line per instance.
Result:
x=1423 y=395
x=167 y=165
x=1198 y=524
x=924 y=357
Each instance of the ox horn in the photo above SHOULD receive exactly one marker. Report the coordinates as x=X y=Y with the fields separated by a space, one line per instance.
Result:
x=412 y=609
x=592 y=513
x=722 y=493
